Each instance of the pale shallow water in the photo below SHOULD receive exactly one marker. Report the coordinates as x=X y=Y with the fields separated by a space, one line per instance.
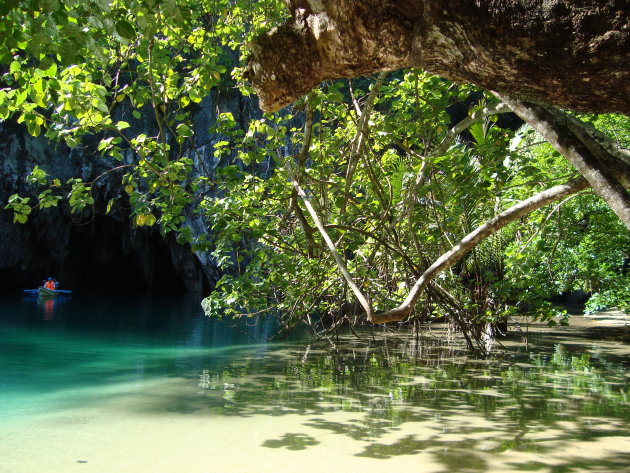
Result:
x=121 y=385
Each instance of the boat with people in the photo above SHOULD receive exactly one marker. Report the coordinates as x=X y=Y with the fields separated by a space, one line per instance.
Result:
x=48 y=290
x=45 y=292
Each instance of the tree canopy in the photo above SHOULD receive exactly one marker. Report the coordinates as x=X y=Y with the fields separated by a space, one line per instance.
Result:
x=401 y=196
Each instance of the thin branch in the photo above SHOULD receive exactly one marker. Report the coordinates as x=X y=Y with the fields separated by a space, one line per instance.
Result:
x=359 y=137
x=374 y=236
x=542 y=225
x=333 y=250
x=301 y=158
x=448 y=139
x=466 y=123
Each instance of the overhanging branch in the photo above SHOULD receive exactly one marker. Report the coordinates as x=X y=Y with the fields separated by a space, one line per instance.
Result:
x=569 y=54
x=471 y=240
x=607 y=173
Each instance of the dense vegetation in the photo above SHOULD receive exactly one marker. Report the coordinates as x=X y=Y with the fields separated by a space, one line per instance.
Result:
x=377 y=177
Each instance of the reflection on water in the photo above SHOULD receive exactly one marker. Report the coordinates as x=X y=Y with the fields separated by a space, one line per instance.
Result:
x=464 y=405
x=46 y=305
x=563 y=408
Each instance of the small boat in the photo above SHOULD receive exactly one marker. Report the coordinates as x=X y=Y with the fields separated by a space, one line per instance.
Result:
x=44 y=292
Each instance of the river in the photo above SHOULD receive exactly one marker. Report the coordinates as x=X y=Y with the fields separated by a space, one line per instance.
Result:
x=148 y=385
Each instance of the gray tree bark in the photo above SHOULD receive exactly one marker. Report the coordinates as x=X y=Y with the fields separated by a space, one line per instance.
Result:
x=604 y=165
x=570 y=54
x=471 y=240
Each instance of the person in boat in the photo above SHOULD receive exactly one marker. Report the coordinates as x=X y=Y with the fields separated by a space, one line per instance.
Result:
x=51 y=284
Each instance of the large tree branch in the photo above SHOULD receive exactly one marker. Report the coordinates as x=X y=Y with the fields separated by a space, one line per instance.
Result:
x=471 y=240
x=607 y=174
x=449 y=258
x=571 y=54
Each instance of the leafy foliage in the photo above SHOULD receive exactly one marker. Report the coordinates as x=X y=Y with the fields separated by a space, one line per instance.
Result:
x=579 y=246
x=393 y=185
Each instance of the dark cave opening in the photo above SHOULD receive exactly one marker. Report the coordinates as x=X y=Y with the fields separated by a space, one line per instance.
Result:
x=101 y=255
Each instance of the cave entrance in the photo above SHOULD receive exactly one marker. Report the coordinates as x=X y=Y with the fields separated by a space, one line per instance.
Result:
x=106 y=254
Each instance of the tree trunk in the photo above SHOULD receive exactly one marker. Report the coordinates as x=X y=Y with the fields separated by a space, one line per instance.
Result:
x=603 y=166
x=570 y=54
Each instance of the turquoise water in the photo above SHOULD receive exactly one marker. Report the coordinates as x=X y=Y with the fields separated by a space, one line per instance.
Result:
x=48 y=361
x=125 y=384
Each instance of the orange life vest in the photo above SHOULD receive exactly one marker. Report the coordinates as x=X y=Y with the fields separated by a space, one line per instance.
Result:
x=50 y=285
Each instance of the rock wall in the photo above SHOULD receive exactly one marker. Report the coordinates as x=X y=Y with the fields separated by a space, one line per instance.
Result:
x=99 y=248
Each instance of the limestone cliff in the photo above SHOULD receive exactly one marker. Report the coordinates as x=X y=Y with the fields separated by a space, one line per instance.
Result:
x=99 y=247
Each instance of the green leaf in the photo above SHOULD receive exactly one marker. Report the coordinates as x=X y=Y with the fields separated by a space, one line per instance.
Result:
x=110 y=204
x=15 y=67
x=20 y=97
x=70 y=141
x=49 y=67
x=125 y=29
x=184 y=130
x=194 y=96
x=476 y=130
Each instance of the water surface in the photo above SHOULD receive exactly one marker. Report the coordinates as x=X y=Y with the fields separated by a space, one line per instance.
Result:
x=122 y=384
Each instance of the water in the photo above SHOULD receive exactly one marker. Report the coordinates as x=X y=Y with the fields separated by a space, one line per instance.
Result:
x=119 y=384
